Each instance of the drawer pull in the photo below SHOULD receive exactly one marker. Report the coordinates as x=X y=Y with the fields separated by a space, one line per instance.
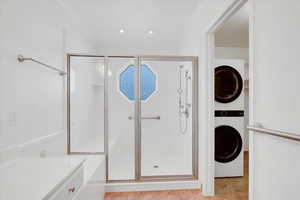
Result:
x=72 y=189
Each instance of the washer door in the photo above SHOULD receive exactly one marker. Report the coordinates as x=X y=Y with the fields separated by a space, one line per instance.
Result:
x=228 y=144
x=228 y=84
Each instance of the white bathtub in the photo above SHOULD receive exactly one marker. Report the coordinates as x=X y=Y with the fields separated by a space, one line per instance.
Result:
x=37 y=178
x=94 y=178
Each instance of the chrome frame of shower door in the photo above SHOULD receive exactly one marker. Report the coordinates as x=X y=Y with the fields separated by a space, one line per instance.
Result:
x=137 y=117
x=69 y=152
x=195 y=137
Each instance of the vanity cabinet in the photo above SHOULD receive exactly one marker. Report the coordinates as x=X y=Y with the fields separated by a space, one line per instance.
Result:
x=69 y=189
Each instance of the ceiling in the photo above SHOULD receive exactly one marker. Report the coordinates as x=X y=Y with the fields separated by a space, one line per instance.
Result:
x=169 y=20
x=235 y=32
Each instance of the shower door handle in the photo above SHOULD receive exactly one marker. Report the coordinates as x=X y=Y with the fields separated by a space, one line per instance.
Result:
x=154 y=118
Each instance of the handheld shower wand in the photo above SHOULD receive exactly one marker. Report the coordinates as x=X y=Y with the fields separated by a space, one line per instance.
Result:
x=183 y=107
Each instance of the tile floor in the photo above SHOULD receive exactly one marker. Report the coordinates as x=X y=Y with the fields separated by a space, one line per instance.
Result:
x=226 y=189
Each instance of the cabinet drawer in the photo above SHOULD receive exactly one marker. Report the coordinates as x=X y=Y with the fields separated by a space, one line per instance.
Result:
x=71 y=186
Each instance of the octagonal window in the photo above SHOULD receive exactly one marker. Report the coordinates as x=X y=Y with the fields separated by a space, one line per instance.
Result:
x=127 y=82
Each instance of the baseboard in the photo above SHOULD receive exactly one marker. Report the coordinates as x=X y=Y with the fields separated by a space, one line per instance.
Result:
x=152 y=186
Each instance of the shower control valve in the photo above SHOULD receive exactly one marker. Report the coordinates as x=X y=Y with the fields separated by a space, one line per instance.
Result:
x=186 y=113
x=180 y=91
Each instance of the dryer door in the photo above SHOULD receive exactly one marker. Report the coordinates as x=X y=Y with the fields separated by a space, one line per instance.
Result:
x=228 y=84
x=228 y=144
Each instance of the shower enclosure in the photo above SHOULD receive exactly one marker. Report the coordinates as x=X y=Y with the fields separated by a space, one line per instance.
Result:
x=142 y=114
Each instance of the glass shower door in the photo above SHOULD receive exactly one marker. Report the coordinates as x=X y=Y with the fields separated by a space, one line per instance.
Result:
x=86 y=133
x=140 y=111
x=121 y=112
x=167 y=136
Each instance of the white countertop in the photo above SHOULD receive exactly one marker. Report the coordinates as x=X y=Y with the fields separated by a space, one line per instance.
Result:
x=35 y=178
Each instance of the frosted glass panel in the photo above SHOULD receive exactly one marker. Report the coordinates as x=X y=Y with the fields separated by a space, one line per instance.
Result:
x=121 y=159
x=166 y=143
x=86 y=104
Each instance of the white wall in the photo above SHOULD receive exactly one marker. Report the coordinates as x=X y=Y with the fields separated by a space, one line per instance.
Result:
x=32 y=102
x=238 y=53
x=235 y=31
x=30 y=94
x=276 y=98
x=232 y=53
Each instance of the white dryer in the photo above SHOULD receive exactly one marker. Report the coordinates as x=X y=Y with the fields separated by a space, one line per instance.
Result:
x=229 y=143
x=229 y=79
x=229 y=118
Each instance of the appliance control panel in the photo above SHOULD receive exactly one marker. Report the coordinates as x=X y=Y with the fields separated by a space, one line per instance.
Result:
x=229 y=113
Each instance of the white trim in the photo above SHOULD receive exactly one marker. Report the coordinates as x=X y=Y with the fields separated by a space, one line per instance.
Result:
x=209 y=49
x=152 y=186
x=209 y=167
x=251 y=97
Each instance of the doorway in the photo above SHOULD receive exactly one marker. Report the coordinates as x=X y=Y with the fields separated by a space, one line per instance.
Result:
x=209 y=187
x=232 y=105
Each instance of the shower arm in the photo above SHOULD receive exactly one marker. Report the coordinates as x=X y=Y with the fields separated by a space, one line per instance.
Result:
x=21 y=58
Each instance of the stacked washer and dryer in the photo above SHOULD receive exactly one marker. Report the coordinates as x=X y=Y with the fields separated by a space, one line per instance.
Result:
x=229 y=118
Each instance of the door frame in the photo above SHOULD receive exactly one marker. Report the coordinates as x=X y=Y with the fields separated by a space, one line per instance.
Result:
x=208 y=183
x=68 y=105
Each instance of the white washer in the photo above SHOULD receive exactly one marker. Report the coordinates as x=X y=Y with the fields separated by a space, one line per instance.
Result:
x=238 y=102
x=229 y=144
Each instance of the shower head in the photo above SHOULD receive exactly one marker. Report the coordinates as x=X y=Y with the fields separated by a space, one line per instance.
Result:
x=181 y=66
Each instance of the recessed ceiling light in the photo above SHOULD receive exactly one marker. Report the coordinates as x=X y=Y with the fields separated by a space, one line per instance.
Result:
x=122 y=31
x=150 y=32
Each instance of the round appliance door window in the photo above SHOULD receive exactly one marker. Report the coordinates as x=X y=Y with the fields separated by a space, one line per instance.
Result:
x=228 y=144
x=228 y=84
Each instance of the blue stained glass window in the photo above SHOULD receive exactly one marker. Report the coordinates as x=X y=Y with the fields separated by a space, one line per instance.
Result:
x=148 y=82
x=127 y=82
